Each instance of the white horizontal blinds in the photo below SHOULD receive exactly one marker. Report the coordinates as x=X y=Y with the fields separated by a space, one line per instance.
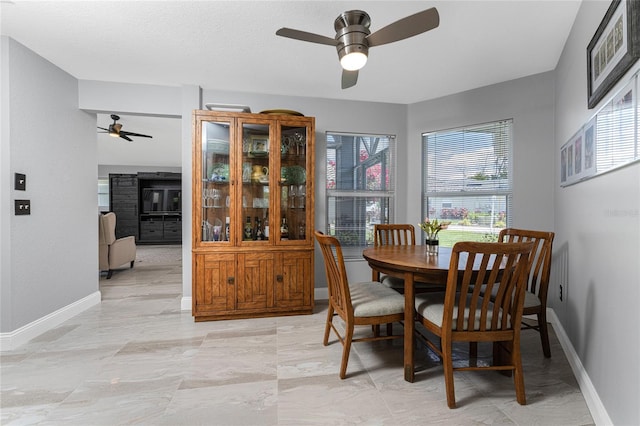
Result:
x=360 y=185
x=467 y=173
x=616 y=128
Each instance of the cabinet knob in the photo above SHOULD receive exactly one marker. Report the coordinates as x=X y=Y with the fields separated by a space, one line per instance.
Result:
x=279 y=278
x=231 y=280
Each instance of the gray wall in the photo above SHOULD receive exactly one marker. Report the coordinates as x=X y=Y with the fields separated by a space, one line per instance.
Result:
x=598 y=237
x=529 y=102
x=49 y=258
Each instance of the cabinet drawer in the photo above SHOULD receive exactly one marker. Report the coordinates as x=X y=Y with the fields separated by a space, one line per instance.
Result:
x=173 y=231
x=151 y=230
x=151 y=225
x=173 y=226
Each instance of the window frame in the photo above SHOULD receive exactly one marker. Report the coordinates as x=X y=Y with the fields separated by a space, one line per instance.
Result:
x=383 y=196
x=502 y=188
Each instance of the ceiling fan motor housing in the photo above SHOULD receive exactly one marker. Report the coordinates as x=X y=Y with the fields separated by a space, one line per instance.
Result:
x=352 y=29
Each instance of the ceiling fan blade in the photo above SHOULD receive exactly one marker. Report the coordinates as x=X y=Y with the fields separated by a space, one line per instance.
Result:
x=349 y=78
x=102 y=128
x=122 y=132
x=125 y=137
x=305 y=36
x=410 y=26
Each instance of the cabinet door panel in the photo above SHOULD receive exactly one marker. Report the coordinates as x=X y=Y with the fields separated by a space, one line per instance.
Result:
x=255 y=289
x=215 y=291
x=292 y=286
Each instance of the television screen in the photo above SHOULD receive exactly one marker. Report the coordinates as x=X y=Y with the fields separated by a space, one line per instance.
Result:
x=152 y=200
x=161 y=200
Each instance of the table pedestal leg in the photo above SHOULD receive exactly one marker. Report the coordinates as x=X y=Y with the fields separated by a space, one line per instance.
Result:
x=408 y=326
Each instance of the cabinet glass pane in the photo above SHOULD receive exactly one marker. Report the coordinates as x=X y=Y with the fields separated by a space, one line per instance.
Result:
x=216 y=190
x=255 y=182
x=293 y=173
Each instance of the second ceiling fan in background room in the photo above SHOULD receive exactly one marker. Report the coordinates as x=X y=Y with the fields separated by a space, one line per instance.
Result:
x=353 y=37
x=116 y=131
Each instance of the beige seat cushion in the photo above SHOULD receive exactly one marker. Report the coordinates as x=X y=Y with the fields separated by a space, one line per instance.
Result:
x=431 y=307
x=398 y=284
x=374 y=299
x=530 y=299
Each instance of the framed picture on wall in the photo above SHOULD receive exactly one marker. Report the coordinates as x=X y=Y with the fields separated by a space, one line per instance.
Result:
x=572 y=159
x=614 y=48
x=589 y=166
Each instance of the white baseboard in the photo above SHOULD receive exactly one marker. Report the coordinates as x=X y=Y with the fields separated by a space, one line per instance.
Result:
x=598 y=412
x=318 y=294
x=13 y=339
x=185 y=304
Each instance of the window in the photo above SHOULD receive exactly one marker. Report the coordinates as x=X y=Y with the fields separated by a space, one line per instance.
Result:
x=103 y=195
x=616 y=129
x=360 y=189
x=467 y=180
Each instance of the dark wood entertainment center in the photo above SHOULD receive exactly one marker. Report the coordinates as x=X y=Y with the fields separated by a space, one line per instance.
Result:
x=147 y=206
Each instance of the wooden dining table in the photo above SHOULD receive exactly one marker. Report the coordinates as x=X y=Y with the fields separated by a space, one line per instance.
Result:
x=413 y=264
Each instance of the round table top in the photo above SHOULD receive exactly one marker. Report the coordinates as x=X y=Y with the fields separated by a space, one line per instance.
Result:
x=409 y=258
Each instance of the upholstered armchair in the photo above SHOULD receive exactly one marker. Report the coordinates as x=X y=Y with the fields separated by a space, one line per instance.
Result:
x=113 y=252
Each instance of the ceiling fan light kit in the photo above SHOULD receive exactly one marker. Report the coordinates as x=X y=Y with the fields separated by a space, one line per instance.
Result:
x=353 y=37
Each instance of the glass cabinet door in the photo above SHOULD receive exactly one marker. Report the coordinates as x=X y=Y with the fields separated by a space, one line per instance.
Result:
x=217 y=197
x=256 y=181
x=294 y=193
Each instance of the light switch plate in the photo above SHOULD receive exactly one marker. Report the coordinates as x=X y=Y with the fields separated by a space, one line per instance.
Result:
x=21 y=182
x=23 y=207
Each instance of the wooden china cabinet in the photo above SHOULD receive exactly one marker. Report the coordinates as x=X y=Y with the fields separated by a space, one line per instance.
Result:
x=253 y=215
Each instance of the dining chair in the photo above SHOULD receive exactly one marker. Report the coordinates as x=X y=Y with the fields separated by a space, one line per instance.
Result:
x=361 y=303
x=461 y=314
x=397 y=234
x=535 y=299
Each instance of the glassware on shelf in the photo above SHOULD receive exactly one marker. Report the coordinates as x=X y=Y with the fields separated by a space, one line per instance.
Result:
x=217 y=232
x=301 y=196
x=293 y=193
x=217 y=196
x=284 y=229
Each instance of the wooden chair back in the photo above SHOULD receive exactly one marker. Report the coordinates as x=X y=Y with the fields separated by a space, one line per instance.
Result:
x=538 y=279
x=337 y=281
x=503 y=271
x=396 y=234
x=540 y=260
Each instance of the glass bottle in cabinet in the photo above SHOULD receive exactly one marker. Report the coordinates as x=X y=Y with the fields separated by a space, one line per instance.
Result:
x=215 y=176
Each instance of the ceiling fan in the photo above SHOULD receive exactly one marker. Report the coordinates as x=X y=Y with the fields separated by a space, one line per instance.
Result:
x=115 y=130
x=353 y=37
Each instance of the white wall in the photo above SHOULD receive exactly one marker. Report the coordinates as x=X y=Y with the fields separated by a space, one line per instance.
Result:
x=162 y=150
x=52 y=253
x=598 y=233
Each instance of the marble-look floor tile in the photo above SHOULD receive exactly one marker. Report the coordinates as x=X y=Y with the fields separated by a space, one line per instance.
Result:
x=138 y=359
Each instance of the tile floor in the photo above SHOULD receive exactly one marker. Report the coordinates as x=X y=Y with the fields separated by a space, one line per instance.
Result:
x=137 y=359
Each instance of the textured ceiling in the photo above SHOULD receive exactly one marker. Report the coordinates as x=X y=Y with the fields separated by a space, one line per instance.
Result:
x=231 y=45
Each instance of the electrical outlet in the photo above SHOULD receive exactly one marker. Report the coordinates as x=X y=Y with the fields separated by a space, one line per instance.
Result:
x=23 y=207
x=20 y=182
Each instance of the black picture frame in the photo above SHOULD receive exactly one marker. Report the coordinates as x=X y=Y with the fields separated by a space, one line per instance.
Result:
x=605 y=68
